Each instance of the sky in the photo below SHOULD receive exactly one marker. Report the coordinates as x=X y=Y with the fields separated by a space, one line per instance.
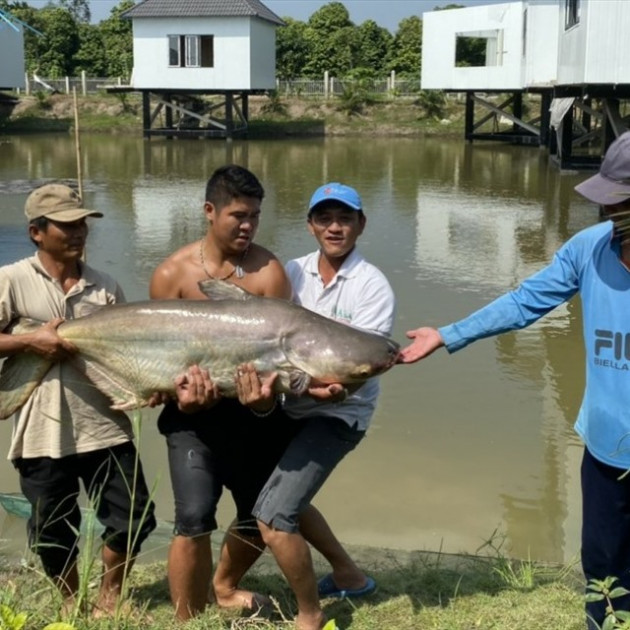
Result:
x=386 y=13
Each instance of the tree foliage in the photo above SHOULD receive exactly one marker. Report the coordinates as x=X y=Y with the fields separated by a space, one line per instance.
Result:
x=406 y=50
x=331 y=39
x=373 y=44
x=292 y=49
x=328 y=41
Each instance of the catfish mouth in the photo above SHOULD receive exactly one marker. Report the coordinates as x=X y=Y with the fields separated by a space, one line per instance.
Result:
x=392 y=356
x=378 y=367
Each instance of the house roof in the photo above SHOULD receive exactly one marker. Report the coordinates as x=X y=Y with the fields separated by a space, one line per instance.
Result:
x=202 y=8
x=14 y=23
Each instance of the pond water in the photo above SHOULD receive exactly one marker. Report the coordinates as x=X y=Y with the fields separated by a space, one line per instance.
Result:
x=461 y=446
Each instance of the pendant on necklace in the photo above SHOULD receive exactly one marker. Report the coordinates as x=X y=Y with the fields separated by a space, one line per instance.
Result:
x=239 y=271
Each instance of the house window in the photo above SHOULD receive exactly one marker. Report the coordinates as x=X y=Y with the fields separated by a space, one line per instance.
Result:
x=571 y=13
x=191 y=51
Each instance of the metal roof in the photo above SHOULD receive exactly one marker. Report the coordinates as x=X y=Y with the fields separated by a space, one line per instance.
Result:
x=202 y=8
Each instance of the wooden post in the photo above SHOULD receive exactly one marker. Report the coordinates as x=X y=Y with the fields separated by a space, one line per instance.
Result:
x=566 y=148
x=545 y=117
x=146 y=114
x=229 y=115
x=517 y=110
x=83 y=83
x=469 y=116
x=245 y=106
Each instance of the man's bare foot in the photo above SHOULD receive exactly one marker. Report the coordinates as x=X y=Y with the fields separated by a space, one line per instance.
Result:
x=71 y=607
x=246 y=600
x=315 y=621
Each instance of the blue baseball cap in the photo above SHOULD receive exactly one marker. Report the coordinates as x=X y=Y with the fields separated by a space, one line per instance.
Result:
x=334 y=191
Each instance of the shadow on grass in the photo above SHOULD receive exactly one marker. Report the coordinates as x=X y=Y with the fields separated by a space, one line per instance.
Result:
x=35 y=124
x=281 y=129
x=406 y=585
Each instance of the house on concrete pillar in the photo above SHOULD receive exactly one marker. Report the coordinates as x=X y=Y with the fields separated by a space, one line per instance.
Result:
x=573 y=54
x=187 y=50
x=11 y=52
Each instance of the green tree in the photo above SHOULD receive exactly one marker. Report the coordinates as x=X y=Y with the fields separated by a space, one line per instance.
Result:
x=79 y=9
x=55 y=49
x=332 y=40
x=292 y=49
x=117 y=36
x=406 y=50
x=89 y=57
x=374 y=43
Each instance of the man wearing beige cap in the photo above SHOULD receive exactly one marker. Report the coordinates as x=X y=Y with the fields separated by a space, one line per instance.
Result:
x=65 y=432
x=596 y=264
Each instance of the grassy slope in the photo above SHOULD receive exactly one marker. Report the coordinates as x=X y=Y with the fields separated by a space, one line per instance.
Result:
x=416 y=590
x=122 y=114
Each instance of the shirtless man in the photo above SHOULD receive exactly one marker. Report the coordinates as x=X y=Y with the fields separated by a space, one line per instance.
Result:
x=215 y=442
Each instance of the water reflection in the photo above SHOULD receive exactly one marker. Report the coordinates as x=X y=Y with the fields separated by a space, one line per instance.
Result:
x=461 y=445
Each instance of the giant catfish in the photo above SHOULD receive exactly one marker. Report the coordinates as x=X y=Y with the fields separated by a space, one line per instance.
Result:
x=129 y=351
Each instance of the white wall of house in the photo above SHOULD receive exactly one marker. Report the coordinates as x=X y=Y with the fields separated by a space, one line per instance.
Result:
x=521 y=48
x=541 y=43
x=262 y=55
x=244 y=54
x=501 y=23
x=11 y=57
x=597 y=48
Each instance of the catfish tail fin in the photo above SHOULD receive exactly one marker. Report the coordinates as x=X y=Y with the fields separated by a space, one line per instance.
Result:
x=20 y=375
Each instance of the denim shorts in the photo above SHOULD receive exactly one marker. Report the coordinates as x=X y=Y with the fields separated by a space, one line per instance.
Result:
x=122 y=505
x=320 y=444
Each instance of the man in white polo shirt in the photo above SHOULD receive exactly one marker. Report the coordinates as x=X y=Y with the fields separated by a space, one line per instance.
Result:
x=337 y=282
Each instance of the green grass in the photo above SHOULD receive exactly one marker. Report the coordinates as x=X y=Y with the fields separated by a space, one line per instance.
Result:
x=269 y=117
x=415 y=591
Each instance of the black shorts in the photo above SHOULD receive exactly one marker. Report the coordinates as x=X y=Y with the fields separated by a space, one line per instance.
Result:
x=115 y=483
x=225 y=446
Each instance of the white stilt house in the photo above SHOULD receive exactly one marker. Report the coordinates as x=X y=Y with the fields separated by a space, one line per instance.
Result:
x=574 y=53
x=11 y=52
x=184 y=49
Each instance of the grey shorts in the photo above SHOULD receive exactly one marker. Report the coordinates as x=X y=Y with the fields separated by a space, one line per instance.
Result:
x=311 y=456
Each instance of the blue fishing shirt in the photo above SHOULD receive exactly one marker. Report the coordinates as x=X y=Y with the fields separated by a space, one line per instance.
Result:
x=589 y=263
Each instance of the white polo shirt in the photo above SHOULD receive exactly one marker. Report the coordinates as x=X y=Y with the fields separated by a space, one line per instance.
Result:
x=359 y=295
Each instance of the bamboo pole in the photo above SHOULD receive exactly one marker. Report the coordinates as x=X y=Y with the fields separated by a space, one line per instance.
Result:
x=77 y=143
x=77 y=146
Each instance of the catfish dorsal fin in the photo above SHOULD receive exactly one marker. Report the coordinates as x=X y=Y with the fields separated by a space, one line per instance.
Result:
x=220 y=290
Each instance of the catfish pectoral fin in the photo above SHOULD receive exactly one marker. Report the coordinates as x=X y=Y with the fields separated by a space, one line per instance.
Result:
x=21 y=374
x=299 y=382
x=122 y=393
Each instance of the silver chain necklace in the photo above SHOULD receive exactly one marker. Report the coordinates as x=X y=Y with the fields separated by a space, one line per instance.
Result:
x=238 y=269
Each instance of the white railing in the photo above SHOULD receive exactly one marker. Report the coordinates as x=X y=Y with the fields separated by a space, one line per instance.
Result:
x=326 y=87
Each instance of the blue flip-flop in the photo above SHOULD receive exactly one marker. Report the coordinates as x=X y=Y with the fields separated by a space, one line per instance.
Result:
x=326 y=587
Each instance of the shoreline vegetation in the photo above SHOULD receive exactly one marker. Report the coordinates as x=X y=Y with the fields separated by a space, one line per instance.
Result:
x=417 y=590
x=270 y=116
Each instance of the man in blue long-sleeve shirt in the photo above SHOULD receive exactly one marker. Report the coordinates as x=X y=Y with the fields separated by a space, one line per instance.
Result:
x=596 y=264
